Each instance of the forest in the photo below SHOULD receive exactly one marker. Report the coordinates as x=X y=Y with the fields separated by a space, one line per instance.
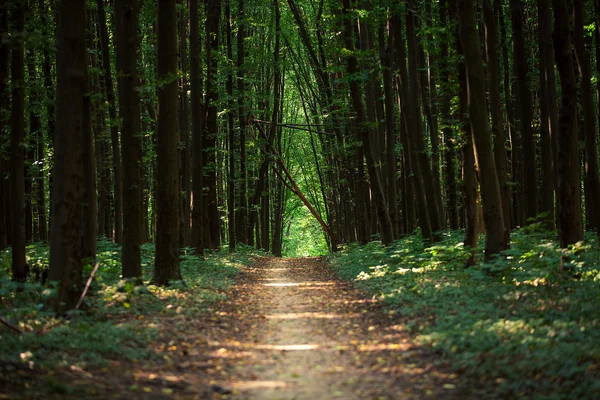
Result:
x=179 y=178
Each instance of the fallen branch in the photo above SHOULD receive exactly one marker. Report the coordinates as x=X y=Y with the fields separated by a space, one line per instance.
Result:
x=11 y=326
x=85 y=290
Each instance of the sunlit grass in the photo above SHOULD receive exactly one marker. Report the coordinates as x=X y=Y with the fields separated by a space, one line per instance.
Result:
x=516 y=327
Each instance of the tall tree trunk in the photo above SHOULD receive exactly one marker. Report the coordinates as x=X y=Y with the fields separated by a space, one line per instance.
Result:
x=568 y=191
x=114 y=128
x=4 y=105
x=184 y=136
x=493 y=69
x=36 y=142
x=89 y=211
x=67 y=197
x=166 y=262
x=242 y=217
x=387 y=234
x=213 y=225
x=386 y=57
x=480 y=131
x=517 y=209
x=448 y=140
x=589 y=116
x=17 y=145
x=231 y=136
x=126 y=16
x=525 y=112
x=41 y=150
x=432 y=202
x=548 y=112
x=197 y=123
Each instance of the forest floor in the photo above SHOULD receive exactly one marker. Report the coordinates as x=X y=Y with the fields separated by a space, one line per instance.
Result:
x=288 y=329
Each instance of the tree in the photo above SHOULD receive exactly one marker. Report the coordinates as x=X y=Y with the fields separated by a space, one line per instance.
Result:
x=114 y=128
x=17 y=144
x=490 y=189
x=209 y=137
x=126 y=15
x=4 y=104
x=524 y=112
x=67 y=196
x=589 y=116
x=166 y=262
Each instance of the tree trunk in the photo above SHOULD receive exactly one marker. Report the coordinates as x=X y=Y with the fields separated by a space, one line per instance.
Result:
x=242 y=217
x=17 y=146
x=418 y=150
x=387 y=234
x=68 y=188
x=548 y=113
x=89 y=211
x=197 y=123
x=114 y=128
x=589 y=116
x=184 y=136
x=36 y=142
x=568 y=192
x=480 y=131
x=126 y=16
x=231 y=136
x=448 y=140
x=4 y=105
x=166 y=262
x=525 y=112
x=493 y=68
x=213 y=225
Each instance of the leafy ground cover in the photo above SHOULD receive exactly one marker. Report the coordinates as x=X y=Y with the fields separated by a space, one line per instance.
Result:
x=119 y=320
x=519 y=327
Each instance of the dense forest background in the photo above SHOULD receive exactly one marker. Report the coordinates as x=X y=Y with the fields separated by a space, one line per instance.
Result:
x=294 y=127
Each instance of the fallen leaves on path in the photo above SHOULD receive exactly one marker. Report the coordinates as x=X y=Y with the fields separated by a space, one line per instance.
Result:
x=288 y=330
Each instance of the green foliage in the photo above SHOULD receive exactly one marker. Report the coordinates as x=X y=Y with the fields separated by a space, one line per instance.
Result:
x=119 y=318
x=517 y=327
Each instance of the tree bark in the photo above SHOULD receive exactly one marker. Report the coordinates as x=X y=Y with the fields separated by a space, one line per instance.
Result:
x=197 y=127
x=480 y=131
x=89 y=212
x=4 y=105
x=548 y=111
x=213 y=225
x=184 y=135
x=418 y=150
x=68 y=188
x=126 y=16
x=525 y=112
x=114 y=128
x=493 y=69
x=166 y=262
x=568 y=192
x=589 y=117
x=387 y=234
x=17 y=145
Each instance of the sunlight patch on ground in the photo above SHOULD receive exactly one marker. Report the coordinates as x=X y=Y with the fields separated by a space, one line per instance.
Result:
x=384 y=346
x=285 y=284
x=288 y=347
x=316 y=315
x=247 y=385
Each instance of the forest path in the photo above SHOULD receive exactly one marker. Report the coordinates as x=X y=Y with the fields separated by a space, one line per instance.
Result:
x=300 y=333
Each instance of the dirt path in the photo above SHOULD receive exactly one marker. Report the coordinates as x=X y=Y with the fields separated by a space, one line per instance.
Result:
x=313 y=337
x=289 y=329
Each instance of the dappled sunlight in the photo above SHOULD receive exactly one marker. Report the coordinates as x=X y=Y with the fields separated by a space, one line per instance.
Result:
x=303 y=284
x=249 y=385
x=315 y=315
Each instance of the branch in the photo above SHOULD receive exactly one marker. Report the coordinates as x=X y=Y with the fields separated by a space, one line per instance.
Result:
x=11 y=326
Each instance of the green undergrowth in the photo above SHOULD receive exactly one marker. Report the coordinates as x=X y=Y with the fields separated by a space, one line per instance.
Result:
x=518 y=327
x=119 y=318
